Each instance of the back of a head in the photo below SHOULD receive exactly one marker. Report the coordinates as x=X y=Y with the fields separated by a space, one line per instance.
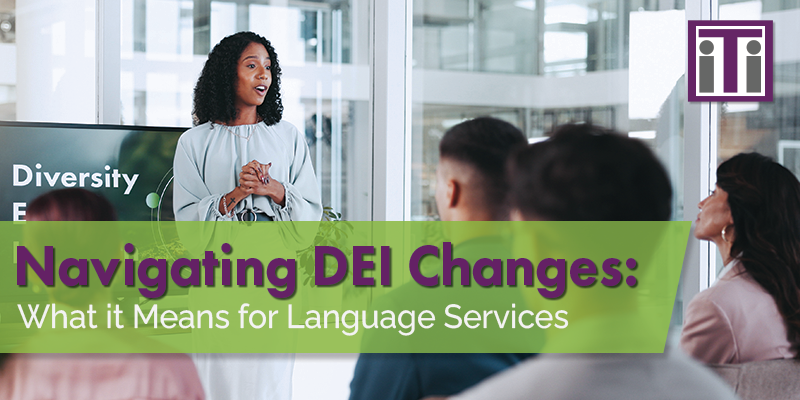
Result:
x=588 y=173
x=73 y=205
x=484 y=144
x=70 y=205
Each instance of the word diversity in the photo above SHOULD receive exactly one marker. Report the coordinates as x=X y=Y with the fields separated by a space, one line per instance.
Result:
x=282 y=273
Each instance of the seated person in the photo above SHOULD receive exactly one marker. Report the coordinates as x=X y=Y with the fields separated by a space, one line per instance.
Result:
x=470 y=186
x=588 y=173
x=92 y=376
x=752 y=312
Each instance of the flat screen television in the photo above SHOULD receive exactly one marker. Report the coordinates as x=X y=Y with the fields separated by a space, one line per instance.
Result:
x=129 y=165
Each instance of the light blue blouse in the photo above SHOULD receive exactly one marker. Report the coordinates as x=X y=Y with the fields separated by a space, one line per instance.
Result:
x=208 y=160
x=207 y=163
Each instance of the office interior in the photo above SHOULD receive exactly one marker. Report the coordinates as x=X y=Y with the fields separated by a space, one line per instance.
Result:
x=374 y=84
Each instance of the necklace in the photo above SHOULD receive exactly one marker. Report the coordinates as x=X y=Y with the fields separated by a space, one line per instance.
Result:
x=236 y=134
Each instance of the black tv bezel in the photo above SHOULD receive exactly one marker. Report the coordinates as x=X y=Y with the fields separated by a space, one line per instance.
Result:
x=145 y=128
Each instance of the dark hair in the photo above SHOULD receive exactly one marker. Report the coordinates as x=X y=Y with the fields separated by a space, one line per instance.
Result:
x=70 y=205
x=764 y=198
x=215 y=91
x=485 y=144
x=589 y=173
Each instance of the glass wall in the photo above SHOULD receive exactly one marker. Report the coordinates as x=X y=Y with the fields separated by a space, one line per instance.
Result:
x=165 y=42
x=8 y=70
x=47 y=73
x=536 y=63
x=50 y=72
x=325 y=83
x=770 y=128
x=541 y=63
x=534 y=37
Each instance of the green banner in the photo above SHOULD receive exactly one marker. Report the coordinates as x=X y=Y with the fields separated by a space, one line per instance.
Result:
x=338 y=287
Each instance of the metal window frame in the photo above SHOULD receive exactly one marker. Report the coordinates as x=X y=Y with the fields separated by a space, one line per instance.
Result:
x=107 y=62
x=390 y=54
x=390 y=58
x=701 y=131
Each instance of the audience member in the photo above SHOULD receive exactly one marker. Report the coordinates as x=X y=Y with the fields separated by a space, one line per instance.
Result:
x=470 y=186
x=92 y=376
x=752 y=312
x=588 y=173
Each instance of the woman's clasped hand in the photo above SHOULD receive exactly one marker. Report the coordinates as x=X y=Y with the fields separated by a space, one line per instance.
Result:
x=255 y=179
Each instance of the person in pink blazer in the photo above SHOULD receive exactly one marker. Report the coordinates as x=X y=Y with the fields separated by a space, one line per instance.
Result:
x=91 y=376
x=752 y=312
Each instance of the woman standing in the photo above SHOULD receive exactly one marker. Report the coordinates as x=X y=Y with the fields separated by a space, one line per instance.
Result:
x=752 y=312
x=241 y=162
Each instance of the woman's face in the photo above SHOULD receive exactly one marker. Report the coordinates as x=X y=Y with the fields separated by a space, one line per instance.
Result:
x=715 y=214
x=254 y=76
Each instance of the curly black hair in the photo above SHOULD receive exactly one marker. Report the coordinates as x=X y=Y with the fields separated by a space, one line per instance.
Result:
x=215 y=91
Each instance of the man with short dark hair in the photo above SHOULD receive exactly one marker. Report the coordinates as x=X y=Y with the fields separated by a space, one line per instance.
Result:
x=470 y=186
x=589 y=173
x=470 y=179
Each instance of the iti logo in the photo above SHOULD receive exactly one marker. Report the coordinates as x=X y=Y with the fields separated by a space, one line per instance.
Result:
x=730 y=61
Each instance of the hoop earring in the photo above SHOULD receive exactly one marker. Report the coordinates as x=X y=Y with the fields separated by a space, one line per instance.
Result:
x=723 y=235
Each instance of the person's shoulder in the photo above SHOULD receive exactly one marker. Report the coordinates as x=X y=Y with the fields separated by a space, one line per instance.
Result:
x=694 y=379
x=644 y=375
x=720 y=291
x=174 y=374
x=284 y=126
x=196 y=134
x=285 y=132
x=385 y=376
x=738 y=289
x=202 y=129
x=163 y=376
x=720 y=298
x=516 y=382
